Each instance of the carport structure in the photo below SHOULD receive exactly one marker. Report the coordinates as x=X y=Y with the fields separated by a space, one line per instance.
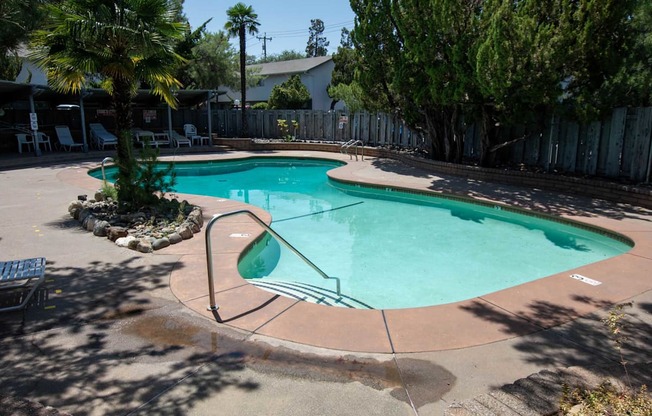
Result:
x=19 y=100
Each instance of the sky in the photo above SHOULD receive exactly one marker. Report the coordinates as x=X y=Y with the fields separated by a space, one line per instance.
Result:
x=286 y=22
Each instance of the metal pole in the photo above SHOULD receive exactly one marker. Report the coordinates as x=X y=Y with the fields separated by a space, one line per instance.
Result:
x=83 y=119
x=32 y=109
x=210 y=121
x=170 y=122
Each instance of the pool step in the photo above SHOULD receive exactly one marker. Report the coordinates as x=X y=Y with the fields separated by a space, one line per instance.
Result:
x=309 y=293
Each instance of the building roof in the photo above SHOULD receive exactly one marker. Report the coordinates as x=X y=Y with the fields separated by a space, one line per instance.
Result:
x=15 y=91
x=295 y=66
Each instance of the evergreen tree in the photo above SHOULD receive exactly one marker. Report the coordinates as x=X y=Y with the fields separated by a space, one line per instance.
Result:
x=317 y=43
x=290 y=95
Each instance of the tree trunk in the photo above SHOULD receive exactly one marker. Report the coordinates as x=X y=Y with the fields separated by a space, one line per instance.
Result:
x=126 y=162
x=243 y=82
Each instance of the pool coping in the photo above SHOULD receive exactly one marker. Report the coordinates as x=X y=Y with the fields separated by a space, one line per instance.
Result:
x=509 y=313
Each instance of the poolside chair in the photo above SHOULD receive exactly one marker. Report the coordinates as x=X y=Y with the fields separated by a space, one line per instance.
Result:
x=19 y=275
x=24 y=139
x=178 y=140
x=65 y=138
x=43 y=139
x=191 y=133
x=101 y=137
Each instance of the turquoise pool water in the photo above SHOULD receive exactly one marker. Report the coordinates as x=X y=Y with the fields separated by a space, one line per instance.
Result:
x=390 y=249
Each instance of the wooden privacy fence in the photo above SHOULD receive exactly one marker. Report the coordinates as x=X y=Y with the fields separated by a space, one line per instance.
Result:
x=618 y=147
x=337 y=126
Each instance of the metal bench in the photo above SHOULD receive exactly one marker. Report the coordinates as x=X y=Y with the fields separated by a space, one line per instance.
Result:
x=15 y=274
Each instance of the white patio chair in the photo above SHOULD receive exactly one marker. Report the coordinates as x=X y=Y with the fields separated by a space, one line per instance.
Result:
x=65 y=138
x=24 y=139
x=191 y=133
x=43 y=139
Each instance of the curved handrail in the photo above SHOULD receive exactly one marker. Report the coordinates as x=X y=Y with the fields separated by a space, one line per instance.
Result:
x=354 y=142
x=105 y=160
x=209 y=252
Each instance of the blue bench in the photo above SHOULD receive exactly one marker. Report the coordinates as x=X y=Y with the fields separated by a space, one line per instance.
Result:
x=15 y=274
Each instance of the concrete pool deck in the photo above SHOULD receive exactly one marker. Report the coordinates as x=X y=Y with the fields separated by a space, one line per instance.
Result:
x=430 y=357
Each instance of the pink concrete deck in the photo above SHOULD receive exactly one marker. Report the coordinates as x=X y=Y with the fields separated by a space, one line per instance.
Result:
x=509 y=313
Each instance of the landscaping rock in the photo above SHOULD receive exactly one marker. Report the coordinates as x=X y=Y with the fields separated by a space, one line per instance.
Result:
x=193 y=226
x=174 y=238
x=160 y=243
x=100 y=228
x=133 y=244
x=85 y=212
x=89 y=223
x=75 y=208
x=185 y=231
x=144 y=246
x=152 y=228
x=115 y=232
x=196 y=217
x=125 y=241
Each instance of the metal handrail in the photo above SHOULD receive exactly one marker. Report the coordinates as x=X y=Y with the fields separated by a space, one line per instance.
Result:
x=355 y=143
x=209 y=252
x=105 y=160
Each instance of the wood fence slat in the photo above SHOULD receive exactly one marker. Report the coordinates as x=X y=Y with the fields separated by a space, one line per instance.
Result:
x=592 y=146
x=629 y=141
x=616 y=137
x=570 y=142
x=639 y=163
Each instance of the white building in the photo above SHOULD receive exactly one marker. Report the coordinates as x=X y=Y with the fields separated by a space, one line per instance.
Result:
x=315 y=75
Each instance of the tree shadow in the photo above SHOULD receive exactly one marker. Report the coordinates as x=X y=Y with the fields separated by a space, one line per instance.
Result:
x=86 y=341
x=541 y=200
x=583 y=342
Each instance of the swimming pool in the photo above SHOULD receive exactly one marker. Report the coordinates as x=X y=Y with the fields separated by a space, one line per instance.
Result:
x=391 y=249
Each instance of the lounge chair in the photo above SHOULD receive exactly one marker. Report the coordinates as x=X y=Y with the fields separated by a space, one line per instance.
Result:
x=178 y=140
x=191 y=133
x=101 y=136
x=24 y=139
x=20 y=274
x=65 y=138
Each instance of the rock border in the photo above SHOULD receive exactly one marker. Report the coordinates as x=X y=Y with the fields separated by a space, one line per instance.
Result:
x=145 y=231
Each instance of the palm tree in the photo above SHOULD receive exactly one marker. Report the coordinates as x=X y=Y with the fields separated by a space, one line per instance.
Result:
x=118 y=44
x=242 y=20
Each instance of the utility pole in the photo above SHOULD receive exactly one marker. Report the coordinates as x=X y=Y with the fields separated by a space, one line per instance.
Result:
x=264 y=38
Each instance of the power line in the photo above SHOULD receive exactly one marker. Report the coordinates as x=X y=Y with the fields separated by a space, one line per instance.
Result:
x=264 y=38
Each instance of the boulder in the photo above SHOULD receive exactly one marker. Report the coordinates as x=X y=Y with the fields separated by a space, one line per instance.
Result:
x=174 y=238
x=75 y=208
x=193 y=226
x=160 y=243
x=196 y=217
x=99 y=196
x=185 y=231
x=89 y=222
x=100 y=228
x=144 y=246
x=125 y=241
x=115 y=232
x=85 y=212
x=133 y=244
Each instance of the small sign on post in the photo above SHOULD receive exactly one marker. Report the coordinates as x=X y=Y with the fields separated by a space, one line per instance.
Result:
x=33 y=121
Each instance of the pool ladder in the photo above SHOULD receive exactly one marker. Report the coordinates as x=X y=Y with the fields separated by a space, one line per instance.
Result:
x=209 y=252
x=352 y=143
